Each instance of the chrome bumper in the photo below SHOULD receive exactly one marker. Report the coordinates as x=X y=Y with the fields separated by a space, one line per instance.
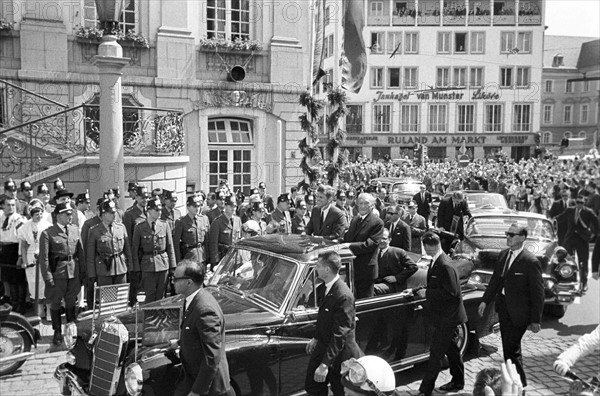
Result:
x=67 y=382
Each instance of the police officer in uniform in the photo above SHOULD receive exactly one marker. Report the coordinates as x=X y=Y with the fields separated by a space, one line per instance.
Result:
x=168 y=212
x=114 y=194
x=153 y=253
x=85 y=231
x=10 y=190
x=191 y=233
x=61 y=266
x=27 y=191
x=225 y=230
x=43 y=194
x=108 y=251
x=135 y=215
x=219 y=208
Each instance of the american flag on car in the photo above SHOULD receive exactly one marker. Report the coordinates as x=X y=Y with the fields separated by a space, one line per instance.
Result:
x=112 y=299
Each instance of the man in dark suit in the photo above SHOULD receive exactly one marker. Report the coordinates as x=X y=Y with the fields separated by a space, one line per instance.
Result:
x=400 y=234
x=418 y=227
x=326 y=220
x=382 y=196
x=202 y=344
x=557 y=208
x=218 y=209
x=362 y=238
x=580 y=223
x=394 y=267
x=450 y=217
x=333 y=342
x=445 y=311
x=423 y=200
x=224 y=231
x=518 y=289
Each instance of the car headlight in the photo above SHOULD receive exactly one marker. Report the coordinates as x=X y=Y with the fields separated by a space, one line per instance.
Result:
x=566 y=271
x=550 y=284
x=70 y=336
x=134 y=379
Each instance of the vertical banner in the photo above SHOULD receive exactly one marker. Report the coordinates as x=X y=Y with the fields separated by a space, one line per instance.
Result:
x=318 y=39
x=354 y=55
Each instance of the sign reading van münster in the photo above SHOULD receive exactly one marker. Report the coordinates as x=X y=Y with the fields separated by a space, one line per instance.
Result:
x=512 y=139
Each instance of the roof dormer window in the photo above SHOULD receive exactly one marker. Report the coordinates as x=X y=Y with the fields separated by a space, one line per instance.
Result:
x=558 y=60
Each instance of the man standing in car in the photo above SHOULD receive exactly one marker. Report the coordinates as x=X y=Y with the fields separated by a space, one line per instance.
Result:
x=423 y=201
x=450 y=217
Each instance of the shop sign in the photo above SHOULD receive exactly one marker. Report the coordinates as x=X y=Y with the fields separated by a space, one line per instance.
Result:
x=439 y=140
x=435 y=95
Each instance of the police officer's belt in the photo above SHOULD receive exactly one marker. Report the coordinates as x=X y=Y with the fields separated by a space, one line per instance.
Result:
x=64 y=258
x=190 y=246
x=154 y=253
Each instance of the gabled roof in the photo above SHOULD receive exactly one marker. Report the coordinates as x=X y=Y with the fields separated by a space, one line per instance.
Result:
x=589 y=57
x=569 y=47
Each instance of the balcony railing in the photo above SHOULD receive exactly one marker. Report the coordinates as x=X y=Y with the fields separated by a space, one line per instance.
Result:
x=36 y=145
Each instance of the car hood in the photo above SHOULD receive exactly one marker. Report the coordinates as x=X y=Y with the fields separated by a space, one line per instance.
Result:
x=488 y=250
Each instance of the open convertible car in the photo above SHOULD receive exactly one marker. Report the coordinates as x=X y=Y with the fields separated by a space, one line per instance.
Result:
x=484 y=239
x=265 y=286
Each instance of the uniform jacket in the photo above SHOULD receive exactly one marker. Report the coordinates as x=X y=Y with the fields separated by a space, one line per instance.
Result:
x=85 y=232
x=170 y=216
x=394 y=261
x=278 y=216
x=364 y=236
x=333 y=225
x=202 y=346
x=336 y=323
x=523 y=288
x=153 y=251
x=446 y=212
x=221 y=236
x=61 y=256
x=417 y=225
x=401 y=236
x=443 y=295
x=213 y=214
x=189 y=239
x=584 y=228
x=132 y=216
x=299 y=224
x=108 y=254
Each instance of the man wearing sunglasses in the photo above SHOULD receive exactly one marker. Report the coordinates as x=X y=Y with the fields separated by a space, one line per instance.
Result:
x=518 y=289
x=581 y=225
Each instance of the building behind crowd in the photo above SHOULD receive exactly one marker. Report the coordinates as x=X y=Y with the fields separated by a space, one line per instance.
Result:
x=450 y=75
x=570 y=96
x=244 y=131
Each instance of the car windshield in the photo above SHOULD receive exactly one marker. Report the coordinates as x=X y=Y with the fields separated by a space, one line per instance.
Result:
x=264 y=278
x=496 y=226
x=491 y=200
x=407 y=188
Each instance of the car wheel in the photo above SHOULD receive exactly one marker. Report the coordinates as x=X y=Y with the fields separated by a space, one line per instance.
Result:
x=464 y=338
x=556 y=310
x=12 y=342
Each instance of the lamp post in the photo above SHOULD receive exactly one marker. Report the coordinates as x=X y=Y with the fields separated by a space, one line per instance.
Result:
x=110 y=64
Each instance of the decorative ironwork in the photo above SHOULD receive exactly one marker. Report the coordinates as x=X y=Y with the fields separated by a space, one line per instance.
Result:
x=46 y=139
x=250 y=98
x=214 y=60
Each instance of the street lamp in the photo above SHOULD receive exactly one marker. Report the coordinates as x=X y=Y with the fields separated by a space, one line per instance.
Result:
x=110 y=64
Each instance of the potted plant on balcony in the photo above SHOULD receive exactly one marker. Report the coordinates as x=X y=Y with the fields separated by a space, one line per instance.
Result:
x=237 y=44
x=5 y=27
x=93 y=35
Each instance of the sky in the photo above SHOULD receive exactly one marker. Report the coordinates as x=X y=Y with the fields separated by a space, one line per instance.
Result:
x=573 y=18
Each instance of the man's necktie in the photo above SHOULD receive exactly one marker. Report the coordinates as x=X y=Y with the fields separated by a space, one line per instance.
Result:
x=392 y=228
x=322 y=217
x=110 y=229
x=507 y=263
x=67 y=231
x=153 y=226
x=380 y=255
x=423 y=198
x=5 y=223
x=231 y=222
x=577 y=216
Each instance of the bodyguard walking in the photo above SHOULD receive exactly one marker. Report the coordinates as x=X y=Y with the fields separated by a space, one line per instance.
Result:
x=62 y=266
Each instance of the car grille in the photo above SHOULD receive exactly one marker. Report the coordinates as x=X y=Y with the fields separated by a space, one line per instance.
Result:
x=105 y=365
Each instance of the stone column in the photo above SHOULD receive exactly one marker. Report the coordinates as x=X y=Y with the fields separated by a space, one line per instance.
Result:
x=110 y=63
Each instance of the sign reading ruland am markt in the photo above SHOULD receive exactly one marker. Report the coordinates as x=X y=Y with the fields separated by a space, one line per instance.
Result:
x=440 y=140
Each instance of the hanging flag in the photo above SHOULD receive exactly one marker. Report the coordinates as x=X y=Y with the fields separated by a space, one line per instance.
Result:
x=112 y=299
x=354 y=54
x=318 y=40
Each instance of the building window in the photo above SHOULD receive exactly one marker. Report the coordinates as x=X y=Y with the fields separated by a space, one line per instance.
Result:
x=548 y=110
x=477 y=42
x=409 y=118
x=567 y=134
x=127 y=20
x=568 y=114
x=522 y=80
x=466 y=118
x=377 y=42
x=443 y=76
x=476 y=79
x=444 y=42
x=354 y=122
x=507 y=42
x=377 y=77
x=376 y=8
x=438 y=115
x=493 y=118
x=522 y=118
x=506 y=77
x=583 y=114
x=547 y=137
x=231 y=165
x=549 y=86
x=597 y=112
x=582 y=134
x=382 y=118
x=524 y=42
x=394 y=77
x=586 y=86
x=328 y=47
x=569 y=87
x=327 y=15
x=412 y=43
x=228 y=19
x=460 y=43
x=558 y=60
x=459 y=76
x=410 y=77
x=2 y=109
x=229 y=131
x=394 y=44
